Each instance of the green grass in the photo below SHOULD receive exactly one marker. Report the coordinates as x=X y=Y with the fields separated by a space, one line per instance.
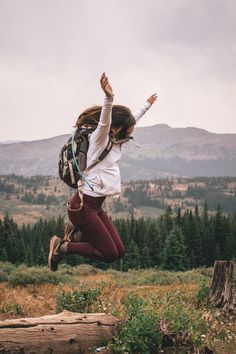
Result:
x=180 y=316
x=159 y=277
x=23 y=275
x=139 y=333
x=33 y=275
x=12 y=309
x=77 y=301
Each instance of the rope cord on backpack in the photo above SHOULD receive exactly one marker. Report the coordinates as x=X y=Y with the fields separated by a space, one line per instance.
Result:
x=75 y=162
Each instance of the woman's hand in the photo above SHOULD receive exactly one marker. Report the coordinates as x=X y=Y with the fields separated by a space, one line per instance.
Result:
x=106 y=87
x=152 y=98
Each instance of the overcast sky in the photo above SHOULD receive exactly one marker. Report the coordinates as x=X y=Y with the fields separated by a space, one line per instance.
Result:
x=52 y=53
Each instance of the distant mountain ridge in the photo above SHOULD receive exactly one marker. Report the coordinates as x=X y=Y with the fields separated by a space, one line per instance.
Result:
x=9 y=141
x=164 y=151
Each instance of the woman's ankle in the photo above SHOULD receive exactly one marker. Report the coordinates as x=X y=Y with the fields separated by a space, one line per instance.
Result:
x=63 y=248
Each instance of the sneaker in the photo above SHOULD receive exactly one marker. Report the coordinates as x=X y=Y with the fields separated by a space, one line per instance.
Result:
x=72 y=234
x=55 y=252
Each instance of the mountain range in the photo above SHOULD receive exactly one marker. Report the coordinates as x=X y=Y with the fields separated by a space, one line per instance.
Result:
x=163 y=151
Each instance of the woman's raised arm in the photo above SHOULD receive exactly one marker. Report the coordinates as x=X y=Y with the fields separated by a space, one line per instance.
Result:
x=149 y=102
x=100 y=135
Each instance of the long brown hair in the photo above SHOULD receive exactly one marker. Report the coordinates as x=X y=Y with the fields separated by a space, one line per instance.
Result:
x=121 y=117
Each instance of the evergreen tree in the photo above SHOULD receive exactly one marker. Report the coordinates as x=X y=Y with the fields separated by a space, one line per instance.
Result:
x=192 y=239
x=208 y=242
x=3 y=251
x=132 y=256
x=146 y=258
x=226 y=234
x=174 y=242
x=178 y=219
x=168 y=219
x=198 y=239
x=165 y=226
x=9 y=234
x=154 y=243
x=174 y=252
x=142 y=240
x=20 y=249
x=219 y=232
x=230 y=243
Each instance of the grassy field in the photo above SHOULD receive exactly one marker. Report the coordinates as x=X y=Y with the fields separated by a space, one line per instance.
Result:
x=149 y=212
x=27 y=213
x=177 y=298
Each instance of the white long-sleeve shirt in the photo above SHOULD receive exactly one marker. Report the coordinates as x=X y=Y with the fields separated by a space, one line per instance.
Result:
x=105 y=175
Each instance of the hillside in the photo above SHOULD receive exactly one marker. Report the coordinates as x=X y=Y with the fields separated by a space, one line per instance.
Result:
x=29 y=198
x=164 y=151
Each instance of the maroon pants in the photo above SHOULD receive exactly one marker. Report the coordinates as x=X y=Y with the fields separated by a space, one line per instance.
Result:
x=100 y=239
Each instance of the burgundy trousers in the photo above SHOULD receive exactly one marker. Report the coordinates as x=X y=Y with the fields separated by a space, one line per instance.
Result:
x=100 y=239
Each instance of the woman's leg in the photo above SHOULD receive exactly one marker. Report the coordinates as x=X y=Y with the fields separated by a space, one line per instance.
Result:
x=113 y=232
x=97 y=243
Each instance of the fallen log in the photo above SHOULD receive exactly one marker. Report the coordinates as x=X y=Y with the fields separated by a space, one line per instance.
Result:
x=66 y=332
x=223 y=287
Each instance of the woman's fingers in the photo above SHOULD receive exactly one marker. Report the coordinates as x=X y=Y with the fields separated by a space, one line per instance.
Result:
x=104 y=80
x=106 y=85
x=152 y=98
x=102 y=77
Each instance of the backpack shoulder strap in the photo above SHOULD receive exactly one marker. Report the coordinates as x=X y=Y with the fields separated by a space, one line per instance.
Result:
x=106 y=150
x=102 y=155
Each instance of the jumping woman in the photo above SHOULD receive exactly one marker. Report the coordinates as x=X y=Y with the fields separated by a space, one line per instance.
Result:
x=99 y=237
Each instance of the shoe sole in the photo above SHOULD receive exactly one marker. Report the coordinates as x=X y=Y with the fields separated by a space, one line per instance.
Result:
x=51 y=249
